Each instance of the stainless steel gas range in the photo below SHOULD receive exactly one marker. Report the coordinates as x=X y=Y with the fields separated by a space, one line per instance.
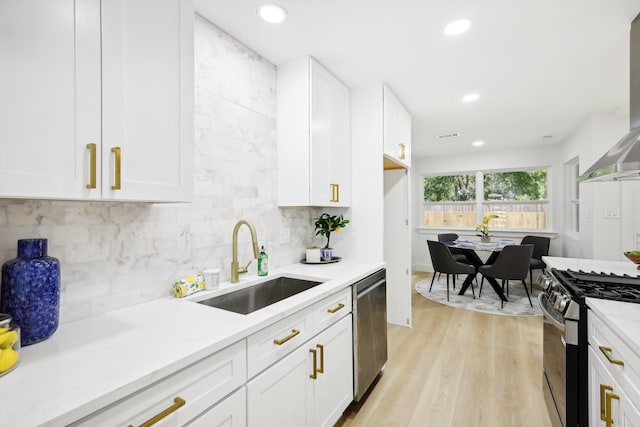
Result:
x=565 y=347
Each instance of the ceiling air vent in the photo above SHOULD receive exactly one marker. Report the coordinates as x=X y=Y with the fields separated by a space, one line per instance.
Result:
x=449 y=135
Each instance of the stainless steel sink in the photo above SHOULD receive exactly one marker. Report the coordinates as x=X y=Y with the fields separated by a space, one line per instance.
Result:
x=248 y=300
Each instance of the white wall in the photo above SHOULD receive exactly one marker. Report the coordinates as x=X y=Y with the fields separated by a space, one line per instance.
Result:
x=118 y=254
x=544 y=157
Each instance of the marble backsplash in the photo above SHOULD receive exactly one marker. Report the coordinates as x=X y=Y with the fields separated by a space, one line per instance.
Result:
x=118 y=254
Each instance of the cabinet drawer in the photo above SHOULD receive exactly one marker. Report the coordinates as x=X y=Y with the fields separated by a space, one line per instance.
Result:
x=269 y=345
x=331 y=309
x=627 y=375
x=231 y=412
x=201 y=385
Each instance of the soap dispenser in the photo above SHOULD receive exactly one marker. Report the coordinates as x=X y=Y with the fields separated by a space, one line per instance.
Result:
x=263 y=263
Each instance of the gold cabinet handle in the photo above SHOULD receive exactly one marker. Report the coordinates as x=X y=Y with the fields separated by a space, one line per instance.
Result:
x=314 y=375
x=92 y=165
x=118 y=162
x=178 y=402
x=603 y=392
x=609 y=397
x=321 y=348
x=281 y=341
x=335 y=193
x=402 y=151
x=338 y=308
x=607 y=353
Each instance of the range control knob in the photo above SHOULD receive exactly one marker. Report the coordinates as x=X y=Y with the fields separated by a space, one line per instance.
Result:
x=561 y=303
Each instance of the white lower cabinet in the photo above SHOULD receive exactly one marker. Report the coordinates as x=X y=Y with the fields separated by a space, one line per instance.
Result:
x=614 y=376
x=312 y=386
x=231 y=412
x=609 y=405
x=182 y=397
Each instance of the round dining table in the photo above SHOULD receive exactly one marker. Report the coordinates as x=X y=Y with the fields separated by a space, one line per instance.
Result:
x=469 y=249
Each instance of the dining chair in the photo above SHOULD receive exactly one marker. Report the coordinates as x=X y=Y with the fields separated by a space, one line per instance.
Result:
x=511 y=264
x=443 y=262
x=540 y=249
x=457 y=253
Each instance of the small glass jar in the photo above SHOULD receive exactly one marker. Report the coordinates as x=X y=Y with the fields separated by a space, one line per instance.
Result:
x=9 y=344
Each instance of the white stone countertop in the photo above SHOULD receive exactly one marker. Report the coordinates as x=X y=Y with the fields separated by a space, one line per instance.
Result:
x=622 y=317
x=600 y=266
x=90 y=363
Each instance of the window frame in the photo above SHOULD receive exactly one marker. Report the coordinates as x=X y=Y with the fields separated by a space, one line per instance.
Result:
x=481 y=203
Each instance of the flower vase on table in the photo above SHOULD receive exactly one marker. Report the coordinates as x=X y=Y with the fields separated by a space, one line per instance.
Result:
x=31 y=291
x=484 y=228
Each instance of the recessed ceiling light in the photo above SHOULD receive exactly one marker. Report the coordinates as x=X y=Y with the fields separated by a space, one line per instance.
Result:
x=457 y=27
x=272 y=13
x=471 y=97
x=477 y=143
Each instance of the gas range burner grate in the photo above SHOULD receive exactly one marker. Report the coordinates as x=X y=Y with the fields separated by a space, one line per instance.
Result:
x=604 y=278
x=601 y=285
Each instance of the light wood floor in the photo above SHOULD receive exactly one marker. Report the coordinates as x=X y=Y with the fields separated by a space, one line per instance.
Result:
x=457 y=368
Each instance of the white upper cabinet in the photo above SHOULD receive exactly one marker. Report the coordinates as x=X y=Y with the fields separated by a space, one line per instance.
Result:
x=50 y=102
x=147 y=104
x=99 y=99
x=397 y=132
x=314 y=136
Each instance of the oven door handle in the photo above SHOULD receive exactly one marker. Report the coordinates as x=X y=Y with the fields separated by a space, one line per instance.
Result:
x=547 y=315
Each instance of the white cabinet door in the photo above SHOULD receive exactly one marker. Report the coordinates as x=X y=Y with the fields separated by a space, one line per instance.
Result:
x=283 y=394
x=314 y=136
x=231 y=412
x=330 y=140
x=50 y=97
x=605 y=393
x=333 y=389
x=397 y=130
x=147 y=81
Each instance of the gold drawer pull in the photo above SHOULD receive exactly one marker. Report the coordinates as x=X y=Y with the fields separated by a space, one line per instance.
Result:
x=603 y=392
x=118 y=165
x=402 y=151
x=293 y=333
x=314 y=375
x=92 y=165
x=606 y=351
x=609 y=420
x=321 y=348
x=178 y=402
x=338 y=308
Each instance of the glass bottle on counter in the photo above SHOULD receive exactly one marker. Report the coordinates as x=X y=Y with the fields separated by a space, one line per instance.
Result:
x=263 y=263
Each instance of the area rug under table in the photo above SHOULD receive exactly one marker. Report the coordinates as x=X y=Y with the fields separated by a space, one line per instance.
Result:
x=517 y=304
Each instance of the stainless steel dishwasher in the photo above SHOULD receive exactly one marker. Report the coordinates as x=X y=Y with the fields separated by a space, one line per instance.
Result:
x=369 y=330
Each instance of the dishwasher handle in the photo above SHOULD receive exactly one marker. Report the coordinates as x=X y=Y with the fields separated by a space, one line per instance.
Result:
x=371 y=288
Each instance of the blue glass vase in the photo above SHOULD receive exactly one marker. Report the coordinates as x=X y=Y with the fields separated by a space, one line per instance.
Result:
x=31 y=291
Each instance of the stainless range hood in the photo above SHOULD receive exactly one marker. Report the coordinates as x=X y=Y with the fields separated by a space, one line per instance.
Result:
x=622 y=162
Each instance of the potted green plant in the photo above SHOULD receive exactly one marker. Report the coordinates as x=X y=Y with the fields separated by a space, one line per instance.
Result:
x=325 y=225
x=484 y=228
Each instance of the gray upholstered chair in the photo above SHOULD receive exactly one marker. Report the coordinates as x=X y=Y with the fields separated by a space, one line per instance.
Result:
x=443 y=262
x=457 y=253
x=540 y=249
x=511 y=264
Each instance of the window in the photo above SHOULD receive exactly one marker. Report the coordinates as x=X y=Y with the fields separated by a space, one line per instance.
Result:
x=450 y=200
x=572 y=195
x=519 y=198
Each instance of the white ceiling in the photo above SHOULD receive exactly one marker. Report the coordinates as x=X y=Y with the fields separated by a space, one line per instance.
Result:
x=540 y=66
